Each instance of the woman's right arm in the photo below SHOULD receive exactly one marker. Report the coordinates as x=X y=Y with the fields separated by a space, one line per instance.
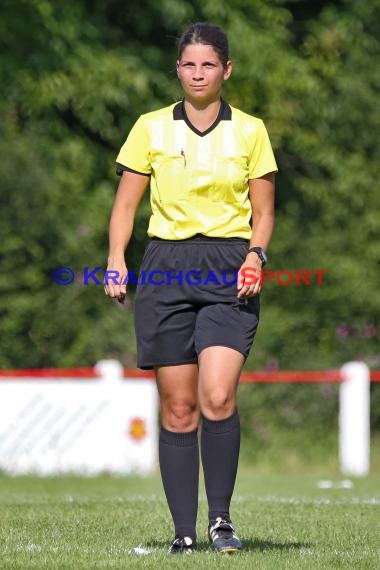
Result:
x=128 y=197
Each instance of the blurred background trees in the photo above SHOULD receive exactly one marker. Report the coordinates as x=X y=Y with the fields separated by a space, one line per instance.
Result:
x=76 y=75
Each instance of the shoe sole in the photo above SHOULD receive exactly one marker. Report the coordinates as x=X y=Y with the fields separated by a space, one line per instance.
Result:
x=228 y=550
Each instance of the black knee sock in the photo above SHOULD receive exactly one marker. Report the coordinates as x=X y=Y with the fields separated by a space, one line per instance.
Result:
x=179 y=464
x=220 y=455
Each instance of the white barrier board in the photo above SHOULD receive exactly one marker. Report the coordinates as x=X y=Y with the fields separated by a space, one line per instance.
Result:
x=84 y=426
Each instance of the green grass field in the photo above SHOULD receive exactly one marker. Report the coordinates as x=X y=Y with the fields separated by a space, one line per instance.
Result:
x=285 y=521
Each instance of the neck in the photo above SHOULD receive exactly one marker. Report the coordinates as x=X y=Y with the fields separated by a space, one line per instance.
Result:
x=202 y=115
x=209 y=106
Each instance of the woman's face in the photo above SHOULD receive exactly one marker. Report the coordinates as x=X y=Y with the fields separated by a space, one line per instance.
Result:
x=201 y=73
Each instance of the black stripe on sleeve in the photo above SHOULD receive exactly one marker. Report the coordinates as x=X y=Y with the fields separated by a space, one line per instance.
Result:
x=120 y=168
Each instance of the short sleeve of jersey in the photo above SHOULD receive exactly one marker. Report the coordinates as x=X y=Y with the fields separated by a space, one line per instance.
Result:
x=261 y=160
x=135 y=153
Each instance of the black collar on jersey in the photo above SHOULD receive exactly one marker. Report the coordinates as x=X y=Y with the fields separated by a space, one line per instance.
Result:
x=225 y=114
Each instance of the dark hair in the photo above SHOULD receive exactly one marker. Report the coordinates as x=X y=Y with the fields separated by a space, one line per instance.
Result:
x=207 y=34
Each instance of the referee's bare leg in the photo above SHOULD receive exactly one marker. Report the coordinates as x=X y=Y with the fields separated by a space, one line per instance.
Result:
x=178 y=444
x=219 y=372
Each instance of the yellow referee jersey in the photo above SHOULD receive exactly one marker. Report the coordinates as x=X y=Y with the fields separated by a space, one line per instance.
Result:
x=199 y=180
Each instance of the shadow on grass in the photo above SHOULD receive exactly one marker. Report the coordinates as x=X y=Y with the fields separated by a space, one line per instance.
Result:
x=262 y=545
x=251 y=544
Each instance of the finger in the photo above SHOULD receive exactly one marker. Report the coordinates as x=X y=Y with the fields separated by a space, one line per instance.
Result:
x=250 y=290
x=254 y=291
x=122 y=285
x=113 y=287
x=117 y=291
x=243 y=292
x=240 y=282
x=107 y=284
x=246 y=285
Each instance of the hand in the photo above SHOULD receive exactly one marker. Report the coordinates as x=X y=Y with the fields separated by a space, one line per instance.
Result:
x=115 y=279
x=249 y=277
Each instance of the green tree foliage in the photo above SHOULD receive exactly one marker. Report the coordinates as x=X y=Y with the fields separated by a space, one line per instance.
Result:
x=75 y=76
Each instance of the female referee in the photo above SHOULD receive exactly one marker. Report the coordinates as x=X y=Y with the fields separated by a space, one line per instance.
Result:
x=211 y=172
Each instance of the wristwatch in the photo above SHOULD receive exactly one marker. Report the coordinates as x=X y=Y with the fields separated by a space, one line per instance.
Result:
x=260 y=252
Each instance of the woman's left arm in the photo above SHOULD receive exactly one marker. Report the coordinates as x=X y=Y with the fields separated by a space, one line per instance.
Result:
x=261 y=194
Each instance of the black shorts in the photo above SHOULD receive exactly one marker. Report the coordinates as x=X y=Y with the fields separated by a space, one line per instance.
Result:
x=187 y=300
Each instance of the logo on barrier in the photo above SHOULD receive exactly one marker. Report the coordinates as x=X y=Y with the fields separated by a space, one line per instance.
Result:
x=137 y=429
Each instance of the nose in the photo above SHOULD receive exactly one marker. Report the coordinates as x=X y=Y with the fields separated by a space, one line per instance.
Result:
x=198 y=73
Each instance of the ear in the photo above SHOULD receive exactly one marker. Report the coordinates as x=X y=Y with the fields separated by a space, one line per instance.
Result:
x=227 y=70
x=177 y=65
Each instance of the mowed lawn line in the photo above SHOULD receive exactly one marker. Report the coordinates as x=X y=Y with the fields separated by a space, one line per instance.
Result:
x=284 y=521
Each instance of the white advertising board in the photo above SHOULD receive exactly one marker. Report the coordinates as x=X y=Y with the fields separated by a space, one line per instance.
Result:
x=105 y=424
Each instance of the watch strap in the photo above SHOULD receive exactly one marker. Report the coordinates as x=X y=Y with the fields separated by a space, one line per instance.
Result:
x=260 y=252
